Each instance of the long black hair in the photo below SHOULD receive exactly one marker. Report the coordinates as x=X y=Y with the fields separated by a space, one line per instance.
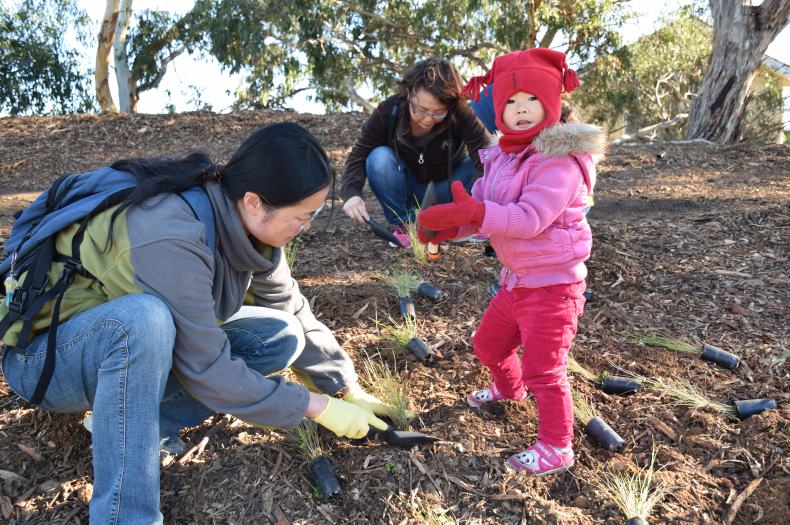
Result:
x=283 y=163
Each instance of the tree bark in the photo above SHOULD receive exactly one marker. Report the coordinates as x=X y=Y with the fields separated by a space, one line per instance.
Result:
x=741 y=34
x=103 y=52
x=127 y=94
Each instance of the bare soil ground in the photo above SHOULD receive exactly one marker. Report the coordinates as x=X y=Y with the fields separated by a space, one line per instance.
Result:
x=690 y=240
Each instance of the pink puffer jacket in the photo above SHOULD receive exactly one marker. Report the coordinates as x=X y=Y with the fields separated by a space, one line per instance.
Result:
x=535 y=205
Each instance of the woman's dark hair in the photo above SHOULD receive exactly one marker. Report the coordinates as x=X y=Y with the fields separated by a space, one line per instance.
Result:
x=283 y=163
x=437 y=76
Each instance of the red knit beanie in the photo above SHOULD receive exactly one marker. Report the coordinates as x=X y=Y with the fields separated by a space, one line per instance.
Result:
x=539 y=71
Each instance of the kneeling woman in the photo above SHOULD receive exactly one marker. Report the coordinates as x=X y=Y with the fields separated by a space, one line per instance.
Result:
x=421 y=134
x=160 y=339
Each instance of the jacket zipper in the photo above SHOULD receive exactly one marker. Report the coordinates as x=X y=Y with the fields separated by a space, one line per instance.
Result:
x=421 y=160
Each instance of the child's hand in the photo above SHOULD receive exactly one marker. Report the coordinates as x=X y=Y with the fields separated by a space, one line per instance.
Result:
x=427 y=236
x=463 y=211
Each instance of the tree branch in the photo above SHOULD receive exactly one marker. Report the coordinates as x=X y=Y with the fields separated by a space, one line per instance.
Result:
x=548 y=38
x=161 y=71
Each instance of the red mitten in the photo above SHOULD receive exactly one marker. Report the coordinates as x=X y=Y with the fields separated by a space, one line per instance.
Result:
x=463 y=211
x=427 y=236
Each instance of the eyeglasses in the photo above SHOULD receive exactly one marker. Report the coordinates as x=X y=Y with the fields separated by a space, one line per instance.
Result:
x=313 y=217
x=421 y=113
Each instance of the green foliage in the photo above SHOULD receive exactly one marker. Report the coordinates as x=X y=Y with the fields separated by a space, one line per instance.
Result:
x=651 y=80
x=764 y=114
x=156 y=35
x=39 y=73
x=332 y=46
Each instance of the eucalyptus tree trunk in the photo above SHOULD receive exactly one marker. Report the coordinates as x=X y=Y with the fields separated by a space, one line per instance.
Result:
x=127 y=91
x=103 y=52
x=741 y=34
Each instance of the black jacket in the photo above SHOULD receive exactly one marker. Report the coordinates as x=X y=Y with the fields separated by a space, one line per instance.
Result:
x=447 y=144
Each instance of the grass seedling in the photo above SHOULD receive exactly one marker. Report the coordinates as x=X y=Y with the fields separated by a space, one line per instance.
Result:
x=633 y=492
x=383 y=383
x=425 y=512
x=306 y=437
x=290 y=250
x=575 y=368
x=399 y=333
x=582 y=408
x=685 y=394
x=670 y=343
x=417 y=247
x=405 y=282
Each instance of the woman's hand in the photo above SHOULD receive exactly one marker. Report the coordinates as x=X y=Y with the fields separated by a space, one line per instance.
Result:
x=355 y=208
x=362 y=399
x=344 y=418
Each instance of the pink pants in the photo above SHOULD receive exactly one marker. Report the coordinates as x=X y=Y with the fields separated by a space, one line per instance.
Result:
x=543 y=321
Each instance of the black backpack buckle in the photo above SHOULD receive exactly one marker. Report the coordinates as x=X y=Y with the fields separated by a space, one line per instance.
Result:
x=70 y=268
x=18 y=301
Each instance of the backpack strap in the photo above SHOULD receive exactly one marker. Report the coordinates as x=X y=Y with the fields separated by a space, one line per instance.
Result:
x=392 y=120
x=392 y=124
x=197 y=199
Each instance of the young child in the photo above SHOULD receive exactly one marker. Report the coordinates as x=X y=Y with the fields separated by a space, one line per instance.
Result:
x=531 y=202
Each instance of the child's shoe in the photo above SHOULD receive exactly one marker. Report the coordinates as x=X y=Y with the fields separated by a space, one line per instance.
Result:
x=491 y=394
x=541 y=459
x=402 y=235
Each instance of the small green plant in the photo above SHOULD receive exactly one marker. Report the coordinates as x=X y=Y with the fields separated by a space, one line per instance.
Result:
x=582 y=408
x=317 y=494
x=383 y=383
x=391 y=468
x=399 y=333
x=634 y=493
x=685 y=394
x=425 y=512
x=576 y=368
x=307 y=440
x=417 y=247
x=670 y=343
x=405 y=282
x=290 y=251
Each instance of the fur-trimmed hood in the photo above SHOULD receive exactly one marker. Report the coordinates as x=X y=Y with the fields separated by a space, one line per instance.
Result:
x=563 y=139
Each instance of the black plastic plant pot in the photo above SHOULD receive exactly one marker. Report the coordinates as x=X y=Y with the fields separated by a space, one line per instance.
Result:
x=325 y=476
x=420 y=350
x=430 y=291
x=406 y=306
x=636 y=521
x=716 y=355
x=488 y=251
x=750 y=407
x=619 y=385
x=604 y=434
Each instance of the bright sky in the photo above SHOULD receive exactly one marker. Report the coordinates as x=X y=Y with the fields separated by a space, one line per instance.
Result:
x=192 y=77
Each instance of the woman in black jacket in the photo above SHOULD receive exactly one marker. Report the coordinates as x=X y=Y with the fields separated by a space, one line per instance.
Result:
x=427 y=132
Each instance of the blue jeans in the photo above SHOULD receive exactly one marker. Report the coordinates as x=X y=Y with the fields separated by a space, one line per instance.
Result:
x=116 y=359
x=267 y=340
x=399 y=192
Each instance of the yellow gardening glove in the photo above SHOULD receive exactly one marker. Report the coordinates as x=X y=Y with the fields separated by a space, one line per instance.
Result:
x=373 y=404
x=347 y=419
x=305 y=380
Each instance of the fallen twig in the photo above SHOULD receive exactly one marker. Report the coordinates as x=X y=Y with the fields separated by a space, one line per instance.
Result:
x=736 y=505
x=201 y=446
